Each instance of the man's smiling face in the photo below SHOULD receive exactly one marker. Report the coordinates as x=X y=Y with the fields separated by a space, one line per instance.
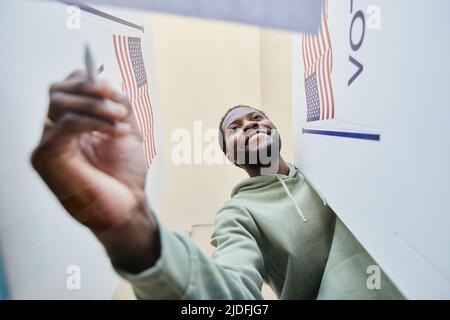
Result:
x=248 y=131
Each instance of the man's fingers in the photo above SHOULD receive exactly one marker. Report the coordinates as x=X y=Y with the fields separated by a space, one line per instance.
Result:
x=72 y=124
x=61 y=103
x=57 y=137
x=79 y=83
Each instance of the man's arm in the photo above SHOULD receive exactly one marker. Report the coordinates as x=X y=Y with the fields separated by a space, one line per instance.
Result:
x=183 y=272
x=90 y=155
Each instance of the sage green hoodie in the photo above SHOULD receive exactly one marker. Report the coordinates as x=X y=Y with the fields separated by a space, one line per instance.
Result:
x=277 y=229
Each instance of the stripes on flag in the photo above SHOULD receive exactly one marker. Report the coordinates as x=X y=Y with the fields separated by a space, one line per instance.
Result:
x=318 y=64
x=128 y=52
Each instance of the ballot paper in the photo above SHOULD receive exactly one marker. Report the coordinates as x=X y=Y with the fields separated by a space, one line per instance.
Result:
x=293 y=15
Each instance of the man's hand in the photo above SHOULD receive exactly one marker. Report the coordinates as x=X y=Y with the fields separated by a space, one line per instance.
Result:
x=91 y=157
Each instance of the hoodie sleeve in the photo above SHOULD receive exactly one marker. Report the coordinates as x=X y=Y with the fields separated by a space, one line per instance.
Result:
x=184 y=272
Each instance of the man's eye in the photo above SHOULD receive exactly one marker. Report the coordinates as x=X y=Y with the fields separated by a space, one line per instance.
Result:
x=257 y=117
x=233 y=128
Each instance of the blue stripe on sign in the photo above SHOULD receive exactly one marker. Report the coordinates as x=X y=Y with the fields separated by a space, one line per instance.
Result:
x=344 y=134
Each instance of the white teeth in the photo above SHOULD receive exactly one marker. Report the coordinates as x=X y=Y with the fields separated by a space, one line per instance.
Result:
x=255 y=132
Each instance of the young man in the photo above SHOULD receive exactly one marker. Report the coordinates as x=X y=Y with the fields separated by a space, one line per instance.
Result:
x=275 y=228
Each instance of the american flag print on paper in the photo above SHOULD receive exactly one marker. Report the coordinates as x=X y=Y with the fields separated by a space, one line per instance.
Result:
x=317 y=57
x=129 y=56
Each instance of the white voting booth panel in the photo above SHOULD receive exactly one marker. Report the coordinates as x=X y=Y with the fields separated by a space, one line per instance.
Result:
x=42 y=248
x=371 y=118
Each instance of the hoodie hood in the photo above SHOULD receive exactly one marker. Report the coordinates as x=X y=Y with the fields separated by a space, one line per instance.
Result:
x=258 y=182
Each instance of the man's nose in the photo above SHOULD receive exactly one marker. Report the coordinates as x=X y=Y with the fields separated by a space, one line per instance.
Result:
x=248 y=124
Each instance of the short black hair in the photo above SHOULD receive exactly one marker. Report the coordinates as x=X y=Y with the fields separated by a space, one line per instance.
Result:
x=222 y=133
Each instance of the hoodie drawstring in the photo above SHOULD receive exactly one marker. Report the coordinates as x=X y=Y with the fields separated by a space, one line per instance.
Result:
x=292 y=198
